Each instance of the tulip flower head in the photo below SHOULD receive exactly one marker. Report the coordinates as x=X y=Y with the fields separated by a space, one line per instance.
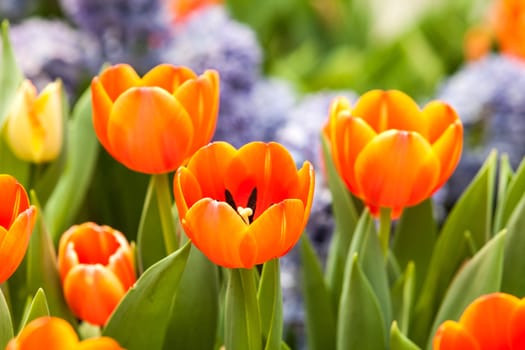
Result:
x=390 y=153
x=34 y=124
x=153 y=124
x=17 y=219
x=243 y=207
x=493 y=321
x=96 y=266
x=56 y=334
x=508 y=19
x=182 y=9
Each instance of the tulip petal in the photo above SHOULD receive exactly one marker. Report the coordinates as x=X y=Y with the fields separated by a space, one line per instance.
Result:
x=200 y=98
x=306 y=176
x=439 y=117
x=14 y=200
x=117 y=79
x=349 y=136
x=209 y=165
x=168 y=77
x=45 y=333
x=92 y=292
x=396 y=169
x=149 y=131
x=392 y=109
x=14 y=243
x=218 y=231
x=487 y=319
x=186 y=190
x=102 y=106
x=93 y=244
x=452 y=336
x=448 y=150
x=517 y=327
x=121 y=263
x=101 y=343
x=277 y=229
x=269 y=169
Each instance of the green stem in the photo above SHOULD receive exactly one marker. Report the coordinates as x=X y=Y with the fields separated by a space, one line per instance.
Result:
x=169 y=231
x=242 y=318
x=384 y=230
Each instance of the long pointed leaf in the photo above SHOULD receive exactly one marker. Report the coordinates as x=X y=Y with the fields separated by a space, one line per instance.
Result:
x=514 y=264
x=10 y=74
x=399 y=341
x=270 y=301
x=37 y=308
x=6 y=325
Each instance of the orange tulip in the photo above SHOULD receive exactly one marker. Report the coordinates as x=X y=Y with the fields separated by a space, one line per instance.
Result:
x=54 y=333
x=508 y=19
x=182 y=9
x=491 y=322
x=97 y=268
x=155 y=123
x=243 y=207
x=390 y=153
x=17 y=219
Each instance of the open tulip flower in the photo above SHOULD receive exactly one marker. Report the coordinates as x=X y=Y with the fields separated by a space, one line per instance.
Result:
x=17 y=219
x=243 y=207
x=390 y=153
x=493 y=321
x=97 y=268
x=34 y=124
x=154 y=123
x=56 y=334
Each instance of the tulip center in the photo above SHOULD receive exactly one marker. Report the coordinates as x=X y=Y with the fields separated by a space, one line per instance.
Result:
x=247 y=212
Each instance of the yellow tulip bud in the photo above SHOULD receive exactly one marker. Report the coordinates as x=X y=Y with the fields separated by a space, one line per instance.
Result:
x=34 y=125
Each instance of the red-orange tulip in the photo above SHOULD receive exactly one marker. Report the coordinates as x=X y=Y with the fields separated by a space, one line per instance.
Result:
x=153 y=124
x=390 y=153
x=54 y=333
x=182 y=9
x=491 y=322
x=17 y=219
x=97 y=268
x=509 y=26
x=243 y=207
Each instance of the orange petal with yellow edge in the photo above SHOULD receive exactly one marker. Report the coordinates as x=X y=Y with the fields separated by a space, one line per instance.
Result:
x=488 y=319
x=448 y=150
x=392 y=109
x=200 y=98
x=452 y=336
x=277 y=229
x=218 y=231
x=14 y=200
x=92 y=292
x=100 y=343
x=15 y=241
x=396 y=169
x=349 y=136
x=102 y=106
x=306 y=176
x=168 y=77
x=209 y=165
x=517 y=327
x=439 y=116
x=117 y=79
x=45 y=333
x=269 y=168
x=186 y=190
x=149 y=130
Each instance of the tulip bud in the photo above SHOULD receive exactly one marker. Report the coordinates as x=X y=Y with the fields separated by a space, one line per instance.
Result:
x=34 y=125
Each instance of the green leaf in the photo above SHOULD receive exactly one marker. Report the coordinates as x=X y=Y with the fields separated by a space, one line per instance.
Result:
x=360 y=323
x=195 y=311
x=150 y=243
x=82 y=151
x=416 y=228
x=402 y=295
x=505 y=175
x=271 y=304
x=346 y=218
x=513 y=195
x=399 y=341
x=10 y=74
x=6 y=325
x=140 y=320
x=42 y=268
x=514 y=261
x=480 y=275
x=319 y=318
x=242 y=318
x=37 y=308
x=472 y=213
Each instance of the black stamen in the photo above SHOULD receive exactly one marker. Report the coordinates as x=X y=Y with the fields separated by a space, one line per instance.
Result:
x=252 y=201
x=229 y=199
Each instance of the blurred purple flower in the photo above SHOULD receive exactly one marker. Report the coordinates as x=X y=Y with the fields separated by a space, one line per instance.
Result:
x=16 y=9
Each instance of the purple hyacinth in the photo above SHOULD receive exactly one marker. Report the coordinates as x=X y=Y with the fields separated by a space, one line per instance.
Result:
x=488 y=96
x=50 y=49
x=130 y=31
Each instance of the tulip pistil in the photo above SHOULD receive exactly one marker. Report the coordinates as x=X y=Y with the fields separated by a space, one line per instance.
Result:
x=247 y=212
